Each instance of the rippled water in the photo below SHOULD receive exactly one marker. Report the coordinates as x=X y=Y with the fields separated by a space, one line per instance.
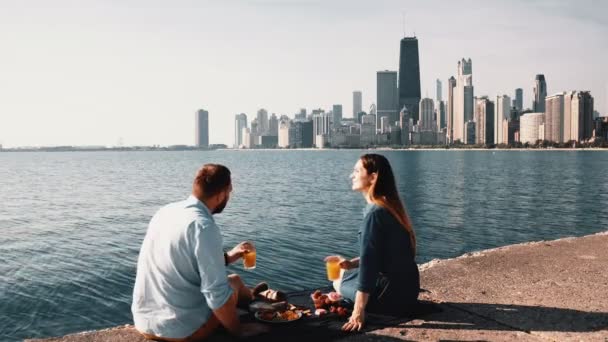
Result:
x=71 y=224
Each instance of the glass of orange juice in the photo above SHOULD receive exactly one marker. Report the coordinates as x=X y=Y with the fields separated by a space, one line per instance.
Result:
x=333 y=267
x=249 y=259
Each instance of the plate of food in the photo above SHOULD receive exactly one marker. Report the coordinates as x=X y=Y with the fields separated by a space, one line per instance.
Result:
x=278 y=316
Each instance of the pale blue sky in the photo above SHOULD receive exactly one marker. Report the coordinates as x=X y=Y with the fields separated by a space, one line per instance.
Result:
x=92 y=72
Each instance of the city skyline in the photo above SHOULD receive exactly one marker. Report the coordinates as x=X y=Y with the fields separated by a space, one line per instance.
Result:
x=136 y=74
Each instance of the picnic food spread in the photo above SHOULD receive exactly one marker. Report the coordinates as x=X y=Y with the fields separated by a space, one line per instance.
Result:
x=328 y=302
x=281 y=313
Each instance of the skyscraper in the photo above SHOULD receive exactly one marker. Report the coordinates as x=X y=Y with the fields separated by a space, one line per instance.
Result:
x=357 y=103
x=321 y=124
x=579 y=106
x=438 y=96
x=240 y=122
x=427 y=115
x=387 y=96
x=262 y=122
x=529 y=127
x=337 y=115
x=409 y=76
x=519 y=99
x=201 y=134
x=554 y=117
x=440 y=115
x=540 y=93
x=484 y=121
x=501 y=119
x=273 y=125
x=450 y=110
x=463 y=101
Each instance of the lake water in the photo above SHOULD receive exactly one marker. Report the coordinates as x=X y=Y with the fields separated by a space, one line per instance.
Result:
x=71 y=224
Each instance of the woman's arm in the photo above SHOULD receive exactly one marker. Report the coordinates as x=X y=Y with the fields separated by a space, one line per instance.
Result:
x=357 y=319
x=368 y=270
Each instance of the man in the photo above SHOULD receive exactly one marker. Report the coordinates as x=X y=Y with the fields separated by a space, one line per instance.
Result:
x=182 y=291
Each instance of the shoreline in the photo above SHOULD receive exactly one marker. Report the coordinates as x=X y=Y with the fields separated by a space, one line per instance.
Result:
x=553 y=149
x=531 y=291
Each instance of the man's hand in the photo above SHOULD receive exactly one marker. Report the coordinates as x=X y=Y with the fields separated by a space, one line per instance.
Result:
x=237 y=252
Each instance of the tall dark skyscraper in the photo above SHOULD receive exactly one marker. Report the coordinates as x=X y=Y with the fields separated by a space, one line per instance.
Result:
x=409 y=77
x=540 y=93
x=201 y=134
x=519 y=99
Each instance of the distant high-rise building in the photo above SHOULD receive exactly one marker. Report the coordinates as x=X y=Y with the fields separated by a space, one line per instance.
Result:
x=301 y=115
x=360 y=116
x=337 y=115
x=201 y=128
x=387 y=96
x=404 y=124
x=438 y=95
x=409 y=76
x=469 y=132
x=303 y=135
x=440 y=115
x=519 y=99
x=273 y=125
x=554 y=117
x=529 y=127
x=262 y=122
x=247 y=138
x=240 y=122
x=357 y=103
x=581 y=113
x=368 y=130
x=284 y=126
x=501 y=119
x=450 y=110
x=254 y=128
x=384 y=125
x=427 y=115
x=321 y=124
x=540 y=93
x=484 y=119
x=463 y=101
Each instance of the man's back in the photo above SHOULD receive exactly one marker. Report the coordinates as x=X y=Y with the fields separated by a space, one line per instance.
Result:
x=181 y=275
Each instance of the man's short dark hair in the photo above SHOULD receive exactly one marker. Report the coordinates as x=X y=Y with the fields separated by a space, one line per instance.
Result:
x=210 y=180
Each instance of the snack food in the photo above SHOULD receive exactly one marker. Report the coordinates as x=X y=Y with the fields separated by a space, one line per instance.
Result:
x=328 y=302
x=278 y=316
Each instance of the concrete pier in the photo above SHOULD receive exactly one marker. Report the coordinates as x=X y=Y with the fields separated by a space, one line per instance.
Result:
x=540 y=291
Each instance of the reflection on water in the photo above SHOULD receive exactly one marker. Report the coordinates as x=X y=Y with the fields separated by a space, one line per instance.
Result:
x=72 y=223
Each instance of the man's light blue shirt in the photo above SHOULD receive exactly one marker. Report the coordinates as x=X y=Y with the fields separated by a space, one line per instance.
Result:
x=181 y=276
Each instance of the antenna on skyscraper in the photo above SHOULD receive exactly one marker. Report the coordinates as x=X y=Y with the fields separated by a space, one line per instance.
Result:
x=403 y=23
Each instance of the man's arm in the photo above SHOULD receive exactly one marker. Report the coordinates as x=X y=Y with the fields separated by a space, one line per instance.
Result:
x=228 y=317
x=215 y=287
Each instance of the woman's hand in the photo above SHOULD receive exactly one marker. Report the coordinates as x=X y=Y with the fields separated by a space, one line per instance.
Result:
x=355 y=322
x=349 y=264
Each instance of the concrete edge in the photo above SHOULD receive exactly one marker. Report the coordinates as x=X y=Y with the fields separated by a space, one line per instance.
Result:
x=480 y=253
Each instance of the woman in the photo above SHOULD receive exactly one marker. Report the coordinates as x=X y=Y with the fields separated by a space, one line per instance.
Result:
x=384 y=278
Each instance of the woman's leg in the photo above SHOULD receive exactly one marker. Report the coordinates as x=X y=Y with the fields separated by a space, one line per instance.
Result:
x=338 y=282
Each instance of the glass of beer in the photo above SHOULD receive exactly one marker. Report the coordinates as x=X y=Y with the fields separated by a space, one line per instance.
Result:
x=333 y=267
x=249 y=259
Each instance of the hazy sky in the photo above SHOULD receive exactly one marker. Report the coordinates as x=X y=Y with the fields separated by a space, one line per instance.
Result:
x=93 y=72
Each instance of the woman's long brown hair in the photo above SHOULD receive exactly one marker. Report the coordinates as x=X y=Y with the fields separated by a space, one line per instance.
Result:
x=384 y=191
